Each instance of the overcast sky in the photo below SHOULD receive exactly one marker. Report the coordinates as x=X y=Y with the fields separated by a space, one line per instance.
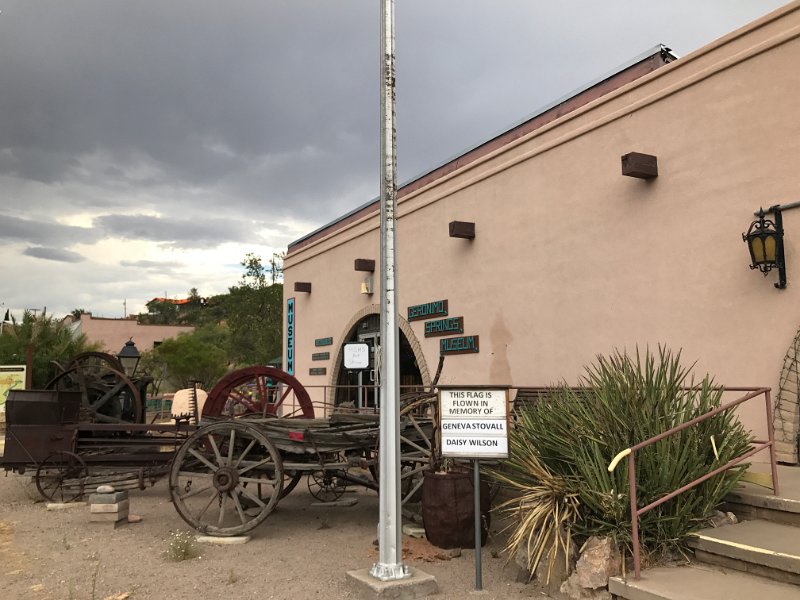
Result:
x=146 y=146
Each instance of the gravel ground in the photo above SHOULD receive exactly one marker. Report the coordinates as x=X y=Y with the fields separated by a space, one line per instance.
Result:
x=299 y=552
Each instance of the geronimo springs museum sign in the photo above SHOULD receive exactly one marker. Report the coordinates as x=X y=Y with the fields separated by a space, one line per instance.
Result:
x=474 y=423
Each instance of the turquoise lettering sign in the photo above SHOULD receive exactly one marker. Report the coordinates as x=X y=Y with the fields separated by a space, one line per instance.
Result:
x=447 y=326
x=323 y=341
x=290 y=336
x=467 y=344
x=437 y=308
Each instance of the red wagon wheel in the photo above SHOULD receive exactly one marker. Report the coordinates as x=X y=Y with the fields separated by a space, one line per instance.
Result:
x=256 y=391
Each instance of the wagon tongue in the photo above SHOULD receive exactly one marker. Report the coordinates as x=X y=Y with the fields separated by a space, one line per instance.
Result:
x=297 y=436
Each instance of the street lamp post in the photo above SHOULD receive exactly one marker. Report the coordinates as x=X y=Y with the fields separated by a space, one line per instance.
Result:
x=129 y=357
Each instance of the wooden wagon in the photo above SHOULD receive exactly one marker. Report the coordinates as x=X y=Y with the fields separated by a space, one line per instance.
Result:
x=230 y=474
x=225 y=475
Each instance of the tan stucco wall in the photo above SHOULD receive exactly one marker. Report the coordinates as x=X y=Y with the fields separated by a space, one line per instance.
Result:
x=113 y=333
x=572 y=259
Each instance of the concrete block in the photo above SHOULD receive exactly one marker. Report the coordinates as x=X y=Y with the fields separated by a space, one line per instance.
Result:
x=223 y=541
x=345 y=502
x=110 y=508
x=418 y=585
x=108 y=517
x=112 y=498
x=64 y=505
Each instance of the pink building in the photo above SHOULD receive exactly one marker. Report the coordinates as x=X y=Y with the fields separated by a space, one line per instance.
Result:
x=113 y=333
x=527 y=256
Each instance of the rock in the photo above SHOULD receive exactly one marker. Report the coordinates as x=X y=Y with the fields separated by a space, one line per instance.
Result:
x=134 y=519
x=521 y=560
x=549 y=577
x=599 y=560
x=454 y=552
x=720 y=519
x=105 y=489
x=414 y=531
x=573 y=590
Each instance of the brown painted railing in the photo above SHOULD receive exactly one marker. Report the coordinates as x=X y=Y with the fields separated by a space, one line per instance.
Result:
x=758 y=446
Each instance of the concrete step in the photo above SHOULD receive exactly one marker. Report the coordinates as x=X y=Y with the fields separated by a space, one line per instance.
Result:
x=758 y=547
x=700 y=582
x=751 y=502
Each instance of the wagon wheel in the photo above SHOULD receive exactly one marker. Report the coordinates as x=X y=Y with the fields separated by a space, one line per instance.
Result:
x=61 y=477
x=290 y=481
x=106 y=394
x=417 y=445
x=257 y=391
x=326 y=485
x=95 y=360
x=226 y=478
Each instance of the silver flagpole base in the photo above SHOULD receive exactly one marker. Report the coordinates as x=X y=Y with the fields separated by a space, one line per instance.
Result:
x=387 y=572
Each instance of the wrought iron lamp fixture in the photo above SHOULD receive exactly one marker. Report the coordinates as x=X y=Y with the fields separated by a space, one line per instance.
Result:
x=765 y=241
x=129 y=357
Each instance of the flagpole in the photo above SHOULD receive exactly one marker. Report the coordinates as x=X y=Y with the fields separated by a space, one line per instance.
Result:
x=390 y=564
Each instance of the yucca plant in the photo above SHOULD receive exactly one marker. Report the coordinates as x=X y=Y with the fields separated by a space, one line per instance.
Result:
x=545 y=505
x=624 y=400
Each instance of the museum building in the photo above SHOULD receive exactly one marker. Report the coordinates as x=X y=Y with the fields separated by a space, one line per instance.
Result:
x=612 y=219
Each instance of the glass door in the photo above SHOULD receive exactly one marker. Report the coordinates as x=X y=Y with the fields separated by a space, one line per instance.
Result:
x=368 y=379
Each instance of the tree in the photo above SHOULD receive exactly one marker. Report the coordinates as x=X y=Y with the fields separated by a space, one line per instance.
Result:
x=198 y=356
x=160 y=312
x=255 y=314
x=49 y=339
x=164 y=311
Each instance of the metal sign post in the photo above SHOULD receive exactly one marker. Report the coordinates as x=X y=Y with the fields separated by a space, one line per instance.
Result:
x=476 y=484
x=474 y=424
x=389 y=565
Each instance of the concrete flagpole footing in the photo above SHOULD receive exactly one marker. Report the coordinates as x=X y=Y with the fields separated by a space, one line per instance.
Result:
x=418 y=585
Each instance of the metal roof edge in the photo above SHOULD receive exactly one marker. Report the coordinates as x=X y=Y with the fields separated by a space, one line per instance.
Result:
x=659 y=49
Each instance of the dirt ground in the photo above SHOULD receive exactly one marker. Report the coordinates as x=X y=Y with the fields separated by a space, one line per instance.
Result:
x=299 y=552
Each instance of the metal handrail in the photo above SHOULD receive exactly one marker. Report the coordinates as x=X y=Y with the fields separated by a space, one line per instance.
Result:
x=758 y=446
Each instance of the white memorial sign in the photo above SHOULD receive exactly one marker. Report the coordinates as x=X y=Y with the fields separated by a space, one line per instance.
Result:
x=474 y=423
x=356 y=356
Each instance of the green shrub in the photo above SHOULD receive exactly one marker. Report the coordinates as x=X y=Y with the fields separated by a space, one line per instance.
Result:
x=181 y=546
x=574 y=435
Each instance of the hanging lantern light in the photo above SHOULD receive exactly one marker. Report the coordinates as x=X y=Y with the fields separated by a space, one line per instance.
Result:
x=764 y=239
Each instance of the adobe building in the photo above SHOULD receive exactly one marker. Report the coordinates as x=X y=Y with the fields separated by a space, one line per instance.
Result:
x=113 y=333
x=610 y=220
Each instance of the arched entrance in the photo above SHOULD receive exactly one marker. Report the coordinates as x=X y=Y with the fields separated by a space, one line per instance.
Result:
x=360 y=387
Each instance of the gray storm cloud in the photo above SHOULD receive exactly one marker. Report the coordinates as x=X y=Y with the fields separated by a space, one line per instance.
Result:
x=231 y=119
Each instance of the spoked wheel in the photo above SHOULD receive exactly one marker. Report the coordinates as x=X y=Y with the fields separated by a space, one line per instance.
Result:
x=259 y=392
x=107 y=394
x=290 y=481
x=95 y=362
x=61 y=477
x=327 y=485
x=418 y=421
x=226 y=478
x=417 y=441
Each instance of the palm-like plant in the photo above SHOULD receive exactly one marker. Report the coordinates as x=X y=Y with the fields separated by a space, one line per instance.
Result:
x=567 y=441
